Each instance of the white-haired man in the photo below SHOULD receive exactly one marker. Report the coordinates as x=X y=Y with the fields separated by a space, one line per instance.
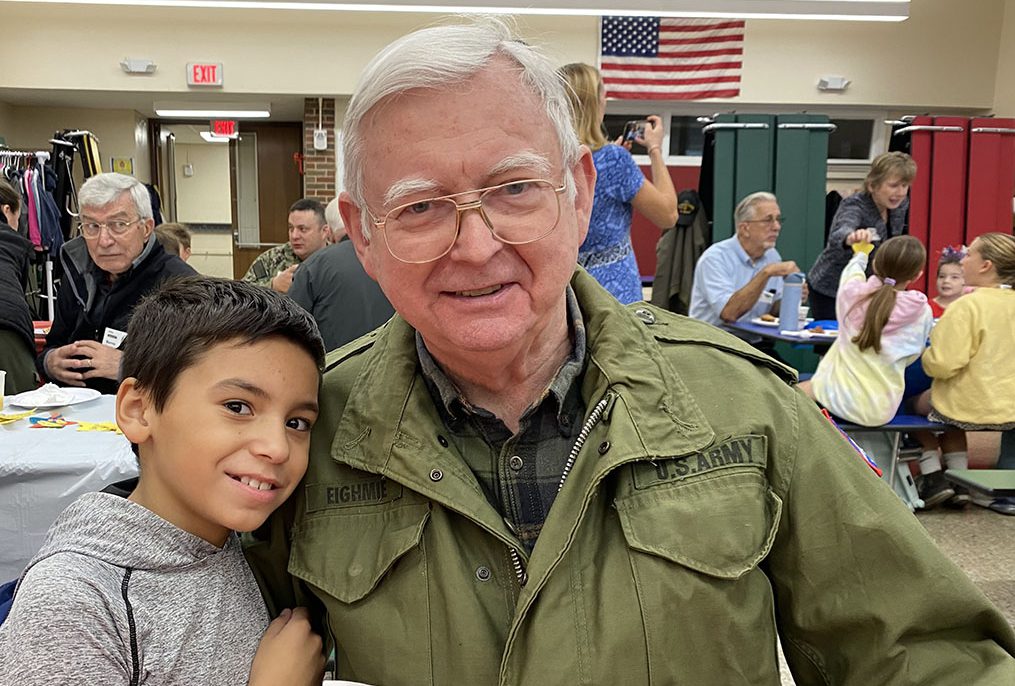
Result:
x=520 y=481
x=114 y=261
x=741 y=277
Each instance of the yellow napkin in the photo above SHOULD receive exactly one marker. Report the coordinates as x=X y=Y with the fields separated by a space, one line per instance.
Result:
x=863 y=247
x=11 y=418
x=99 y=426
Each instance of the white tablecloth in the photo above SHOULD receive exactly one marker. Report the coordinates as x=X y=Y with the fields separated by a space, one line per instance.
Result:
x=42 y=471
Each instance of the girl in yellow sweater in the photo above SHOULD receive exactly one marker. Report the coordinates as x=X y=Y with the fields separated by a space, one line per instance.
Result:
x=970 y=354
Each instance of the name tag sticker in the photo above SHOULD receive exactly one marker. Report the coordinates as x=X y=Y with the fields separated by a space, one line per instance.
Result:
x=113 y=337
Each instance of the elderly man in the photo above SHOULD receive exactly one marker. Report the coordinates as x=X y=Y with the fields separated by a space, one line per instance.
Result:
x=520 y=481
x=308 y=233
x=333 y=287
x=741 y=277
x=106 y=270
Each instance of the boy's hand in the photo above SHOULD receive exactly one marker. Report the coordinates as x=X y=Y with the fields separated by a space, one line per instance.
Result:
x=289 y=652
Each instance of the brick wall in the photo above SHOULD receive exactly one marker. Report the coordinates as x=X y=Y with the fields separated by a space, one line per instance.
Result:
x=318 y=165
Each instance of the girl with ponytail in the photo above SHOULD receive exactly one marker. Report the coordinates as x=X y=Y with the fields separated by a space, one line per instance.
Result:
x=882 y=329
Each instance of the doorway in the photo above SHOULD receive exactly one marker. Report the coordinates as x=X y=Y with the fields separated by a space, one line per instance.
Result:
x=265 y=179
x=235 y=197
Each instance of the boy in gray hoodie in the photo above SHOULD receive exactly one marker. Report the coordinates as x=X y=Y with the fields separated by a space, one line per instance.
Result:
x=218 y=396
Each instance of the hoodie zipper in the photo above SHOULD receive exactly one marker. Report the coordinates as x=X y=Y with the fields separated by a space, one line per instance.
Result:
x=583 y=435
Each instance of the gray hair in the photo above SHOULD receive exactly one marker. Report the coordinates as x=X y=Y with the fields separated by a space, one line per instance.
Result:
x=332 y=215
x=745 y=208
x=438 y=57
x=103 y=189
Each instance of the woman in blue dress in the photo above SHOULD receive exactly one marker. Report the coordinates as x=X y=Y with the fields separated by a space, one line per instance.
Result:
x=607 y=253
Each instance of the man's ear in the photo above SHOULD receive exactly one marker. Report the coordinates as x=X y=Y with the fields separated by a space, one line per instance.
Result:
x=149 y=227
x=584 y=172
x=352 y=218
x=133 y=411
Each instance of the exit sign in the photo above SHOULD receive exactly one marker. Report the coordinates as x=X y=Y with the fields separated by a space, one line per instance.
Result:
x=204 y=74
x=224 y=127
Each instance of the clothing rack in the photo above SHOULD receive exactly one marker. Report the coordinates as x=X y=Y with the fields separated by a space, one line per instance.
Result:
x=40 y=157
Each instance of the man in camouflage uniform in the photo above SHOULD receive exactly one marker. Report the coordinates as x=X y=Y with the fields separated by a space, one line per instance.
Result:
x=308 y=233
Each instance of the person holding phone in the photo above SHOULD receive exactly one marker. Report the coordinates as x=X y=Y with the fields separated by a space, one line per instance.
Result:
x=607 y=252
x=875 y=214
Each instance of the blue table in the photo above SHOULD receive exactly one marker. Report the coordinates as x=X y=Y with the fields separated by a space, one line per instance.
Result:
x=773 y=332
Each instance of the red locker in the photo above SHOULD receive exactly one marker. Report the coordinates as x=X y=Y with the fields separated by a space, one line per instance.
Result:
x=919 y=192
x=991 y=176
x=947 y=190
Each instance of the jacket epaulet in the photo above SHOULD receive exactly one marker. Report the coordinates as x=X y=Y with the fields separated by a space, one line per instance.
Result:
x=668 y=327
x=351 y=349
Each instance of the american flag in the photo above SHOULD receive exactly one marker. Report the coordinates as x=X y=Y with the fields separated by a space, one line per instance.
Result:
x=653 y=58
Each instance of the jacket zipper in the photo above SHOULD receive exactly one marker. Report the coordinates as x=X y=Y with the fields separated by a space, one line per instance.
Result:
x=583 y=435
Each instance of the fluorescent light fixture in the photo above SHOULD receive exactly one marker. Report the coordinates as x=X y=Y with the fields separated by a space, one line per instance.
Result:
x=232 y=110
x=841 y=10
x=213 y=138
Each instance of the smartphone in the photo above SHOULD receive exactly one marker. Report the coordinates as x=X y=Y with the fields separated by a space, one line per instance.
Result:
x=635 y=129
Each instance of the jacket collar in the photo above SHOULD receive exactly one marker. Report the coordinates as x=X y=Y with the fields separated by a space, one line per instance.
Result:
x=390 y=424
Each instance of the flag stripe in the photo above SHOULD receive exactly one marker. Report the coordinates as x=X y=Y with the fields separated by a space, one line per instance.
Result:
x=653 y=58
x=695 y=80
x=641 y=64
x=685 y=25
x=735 y=40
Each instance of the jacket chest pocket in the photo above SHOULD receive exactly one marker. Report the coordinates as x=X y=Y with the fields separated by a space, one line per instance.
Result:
x=694 y=548
x=362 y=564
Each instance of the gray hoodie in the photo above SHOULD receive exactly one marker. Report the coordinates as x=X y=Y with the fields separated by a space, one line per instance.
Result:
x=114 y=581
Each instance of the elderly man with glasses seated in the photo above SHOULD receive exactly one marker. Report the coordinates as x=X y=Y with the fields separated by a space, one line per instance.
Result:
x=741 y=277
x=107 y=268
x=518 y=480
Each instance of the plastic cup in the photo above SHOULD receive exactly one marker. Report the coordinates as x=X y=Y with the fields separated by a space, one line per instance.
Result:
x=804 y=312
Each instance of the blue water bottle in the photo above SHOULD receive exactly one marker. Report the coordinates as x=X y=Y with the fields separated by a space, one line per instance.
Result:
x=789 y=310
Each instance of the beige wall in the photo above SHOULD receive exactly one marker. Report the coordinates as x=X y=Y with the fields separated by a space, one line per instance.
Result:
x=204 y=197
x=1004 y=93
x=121 y=133
x=944 y=56
x=211 y=253
x=6 y=121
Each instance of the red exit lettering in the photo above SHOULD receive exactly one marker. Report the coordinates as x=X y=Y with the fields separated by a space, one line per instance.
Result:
x=224 y=127
x=204 y=74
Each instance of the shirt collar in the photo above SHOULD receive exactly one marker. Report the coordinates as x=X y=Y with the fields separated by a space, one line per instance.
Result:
x=454 y=402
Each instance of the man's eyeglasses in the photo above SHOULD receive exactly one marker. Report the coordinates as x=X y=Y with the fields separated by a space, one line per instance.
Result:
x=770 y=219
x=516 y=213
x=91 y=230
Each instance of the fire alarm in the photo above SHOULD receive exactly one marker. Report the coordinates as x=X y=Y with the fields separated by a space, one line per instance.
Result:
x=320 y=139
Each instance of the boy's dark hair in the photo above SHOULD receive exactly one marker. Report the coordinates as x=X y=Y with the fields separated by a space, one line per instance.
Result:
x=173 y=326
x=309 y=205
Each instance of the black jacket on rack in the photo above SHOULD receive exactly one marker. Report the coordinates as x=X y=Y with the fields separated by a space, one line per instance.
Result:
x=15 y=253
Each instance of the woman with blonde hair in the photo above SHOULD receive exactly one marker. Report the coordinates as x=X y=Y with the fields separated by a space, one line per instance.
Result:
x=970 y=359
x=607 y=252
x=880 y=208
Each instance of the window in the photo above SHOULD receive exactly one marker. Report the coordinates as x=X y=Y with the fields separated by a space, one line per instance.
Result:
x=851 y=139
x=686 y=138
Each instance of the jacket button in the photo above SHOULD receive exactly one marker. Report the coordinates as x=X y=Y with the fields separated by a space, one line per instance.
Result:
x=483 y=573
x=645 y=315
x=443 y=441
x=436 y=475
x=604 y=447
x=516 y=463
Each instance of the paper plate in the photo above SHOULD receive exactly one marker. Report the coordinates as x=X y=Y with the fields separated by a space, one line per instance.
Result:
x=44 y=397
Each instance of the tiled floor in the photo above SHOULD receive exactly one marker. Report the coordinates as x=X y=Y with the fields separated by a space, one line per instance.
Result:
x=979 y=541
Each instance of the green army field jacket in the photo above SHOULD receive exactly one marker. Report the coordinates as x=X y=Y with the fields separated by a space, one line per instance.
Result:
x=710 y=512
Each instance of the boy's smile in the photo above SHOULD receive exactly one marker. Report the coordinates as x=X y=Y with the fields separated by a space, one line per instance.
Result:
x=231 y=442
